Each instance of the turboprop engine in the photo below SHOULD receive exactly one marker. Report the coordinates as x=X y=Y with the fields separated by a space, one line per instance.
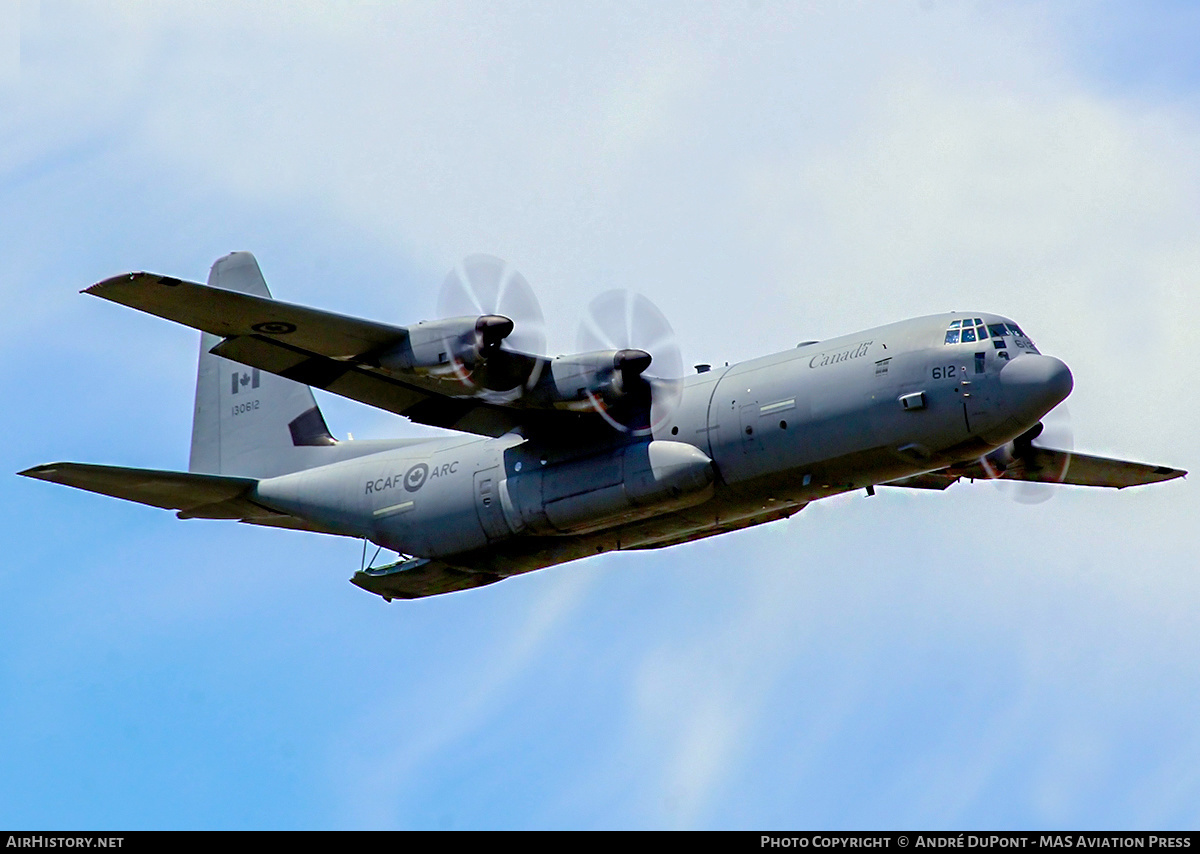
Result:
x=607 y=380
x=463 y=350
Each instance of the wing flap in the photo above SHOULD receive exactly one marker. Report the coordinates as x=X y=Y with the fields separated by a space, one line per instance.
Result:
x=932 y=480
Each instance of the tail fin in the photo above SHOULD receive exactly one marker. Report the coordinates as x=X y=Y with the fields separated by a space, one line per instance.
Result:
x=249 y=422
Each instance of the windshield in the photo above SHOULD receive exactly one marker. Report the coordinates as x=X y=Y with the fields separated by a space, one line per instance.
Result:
x=972 y=330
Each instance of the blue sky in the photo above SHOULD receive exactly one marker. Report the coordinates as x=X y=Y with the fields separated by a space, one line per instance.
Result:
x=766 y=173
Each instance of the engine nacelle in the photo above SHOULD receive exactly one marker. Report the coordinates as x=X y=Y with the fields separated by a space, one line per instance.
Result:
x=579 y=380
x=449 y=349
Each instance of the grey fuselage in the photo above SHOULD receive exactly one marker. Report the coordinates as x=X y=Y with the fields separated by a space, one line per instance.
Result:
x=748 y=443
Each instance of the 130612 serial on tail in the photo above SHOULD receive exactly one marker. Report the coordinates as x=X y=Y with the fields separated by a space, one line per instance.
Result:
x=556 y=459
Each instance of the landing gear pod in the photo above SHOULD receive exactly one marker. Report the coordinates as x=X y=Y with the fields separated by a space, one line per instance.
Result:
x=629 y=483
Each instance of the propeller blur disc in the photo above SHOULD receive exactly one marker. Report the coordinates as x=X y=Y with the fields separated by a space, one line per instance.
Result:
x=486 y=285
x=1056 y=435
x=624 y=320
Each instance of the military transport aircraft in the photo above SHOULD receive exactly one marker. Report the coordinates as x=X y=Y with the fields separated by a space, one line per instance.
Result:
x=556 y=459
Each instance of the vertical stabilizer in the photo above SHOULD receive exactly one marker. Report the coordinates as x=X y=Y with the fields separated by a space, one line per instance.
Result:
x=249 y=422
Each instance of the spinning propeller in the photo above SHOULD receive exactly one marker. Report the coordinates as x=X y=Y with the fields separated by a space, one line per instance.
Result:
x=647 y=368
x=1028 y=451
x=489 y=344
x=509 y=329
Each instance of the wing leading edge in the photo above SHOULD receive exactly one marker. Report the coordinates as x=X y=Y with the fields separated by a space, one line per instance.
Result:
x=329 y=351
x=1044 y=465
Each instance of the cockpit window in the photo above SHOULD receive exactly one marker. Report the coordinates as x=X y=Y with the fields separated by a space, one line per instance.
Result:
x=967 y=330
x=971 y=329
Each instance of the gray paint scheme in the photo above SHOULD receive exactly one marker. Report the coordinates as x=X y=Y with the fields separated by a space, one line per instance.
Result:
x=544 y=483
x=247 y=427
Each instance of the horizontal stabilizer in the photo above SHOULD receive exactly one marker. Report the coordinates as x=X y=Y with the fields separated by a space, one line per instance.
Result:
x=419 y=577
x=170 y=490
x=194 y=496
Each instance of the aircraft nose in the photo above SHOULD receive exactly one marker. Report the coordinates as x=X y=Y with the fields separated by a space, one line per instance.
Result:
x=1036 y=382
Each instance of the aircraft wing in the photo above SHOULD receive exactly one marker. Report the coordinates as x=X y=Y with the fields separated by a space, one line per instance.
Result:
x=931 y=480
x=317 y=348
x=1045 y=465
x=194 y=496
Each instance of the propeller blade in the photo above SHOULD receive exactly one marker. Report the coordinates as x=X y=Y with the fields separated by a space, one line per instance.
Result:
x=1053 y=432
x=485 y=285
x=648 y=360
x=510 y=326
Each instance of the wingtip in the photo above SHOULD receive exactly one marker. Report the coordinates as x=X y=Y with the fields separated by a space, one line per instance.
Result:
x=100 y=288
x=40 y=472
x=1159 y=474
x=109 y=282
